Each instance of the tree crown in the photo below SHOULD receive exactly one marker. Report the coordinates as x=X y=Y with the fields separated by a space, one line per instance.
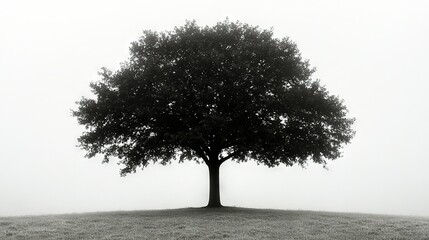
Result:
x=230 y=91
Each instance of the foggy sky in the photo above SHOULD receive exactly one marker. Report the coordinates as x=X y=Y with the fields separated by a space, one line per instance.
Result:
x=372 y=54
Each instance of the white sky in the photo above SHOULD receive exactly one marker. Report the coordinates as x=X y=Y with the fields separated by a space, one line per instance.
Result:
x=373 y=54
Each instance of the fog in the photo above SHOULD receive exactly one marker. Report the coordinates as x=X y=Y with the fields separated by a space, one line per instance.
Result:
x=373 y=54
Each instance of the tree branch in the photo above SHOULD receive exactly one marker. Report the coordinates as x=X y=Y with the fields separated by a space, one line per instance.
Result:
x=200 y=153
x=229 y=156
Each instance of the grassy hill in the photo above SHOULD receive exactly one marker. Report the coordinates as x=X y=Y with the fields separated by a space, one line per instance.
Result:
x=226 y=223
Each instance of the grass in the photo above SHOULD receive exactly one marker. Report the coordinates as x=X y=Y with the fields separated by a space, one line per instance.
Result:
x=225 y=223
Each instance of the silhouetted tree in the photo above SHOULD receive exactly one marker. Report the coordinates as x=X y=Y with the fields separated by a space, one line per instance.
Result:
x=212 y=94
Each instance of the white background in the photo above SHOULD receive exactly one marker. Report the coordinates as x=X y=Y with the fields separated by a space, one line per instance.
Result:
x=373 y=54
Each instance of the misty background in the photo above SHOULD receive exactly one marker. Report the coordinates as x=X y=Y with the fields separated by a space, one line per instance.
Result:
x=373 y=54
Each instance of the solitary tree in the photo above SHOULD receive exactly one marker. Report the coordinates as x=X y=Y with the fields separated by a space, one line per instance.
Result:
x=212 y=94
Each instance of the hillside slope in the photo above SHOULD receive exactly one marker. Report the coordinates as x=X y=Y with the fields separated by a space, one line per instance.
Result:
x=226 y=223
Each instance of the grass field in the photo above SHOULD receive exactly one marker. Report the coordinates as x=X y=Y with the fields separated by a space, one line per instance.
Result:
x=226 y=223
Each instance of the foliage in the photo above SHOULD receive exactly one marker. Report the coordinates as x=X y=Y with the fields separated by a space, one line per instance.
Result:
x=231 y=91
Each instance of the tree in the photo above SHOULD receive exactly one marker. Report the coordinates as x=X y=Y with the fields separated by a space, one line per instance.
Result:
x=211 y=94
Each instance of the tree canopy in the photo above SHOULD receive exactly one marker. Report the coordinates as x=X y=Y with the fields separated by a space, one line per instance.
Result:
x=210 y=94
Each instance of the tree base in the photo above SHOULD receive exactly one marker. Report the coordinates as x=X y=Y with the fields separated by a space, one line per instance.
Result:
x=214 y=206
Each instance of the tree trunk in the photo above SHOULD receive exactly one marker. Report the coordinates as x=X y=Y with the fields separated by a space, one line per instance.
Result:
x=214 y=197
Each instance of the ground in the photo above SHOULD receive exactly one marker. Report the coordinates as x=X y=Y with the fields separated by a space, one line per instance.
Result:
x=225 y=223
